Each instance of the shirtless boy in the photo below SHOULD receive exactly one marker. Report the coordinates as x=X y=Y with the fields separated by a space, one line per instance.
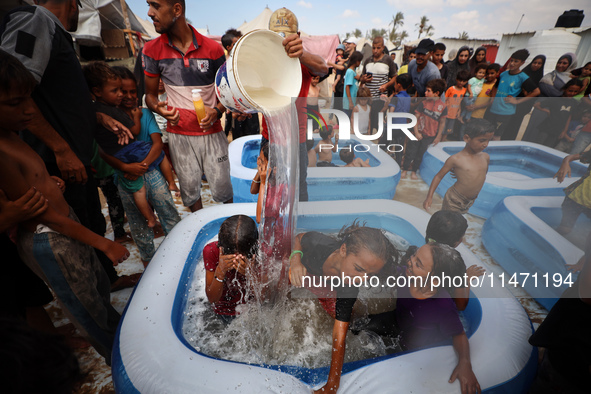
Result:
x=325 y=148
x=470 y=166
x=54 y=244
x=348 y=156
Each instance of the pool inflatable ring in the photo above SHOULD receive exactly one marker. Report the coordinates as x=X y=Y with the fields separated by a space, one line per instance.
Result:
x=152 y=356
x=519 y=238
x=324 y=183
x=516 y=168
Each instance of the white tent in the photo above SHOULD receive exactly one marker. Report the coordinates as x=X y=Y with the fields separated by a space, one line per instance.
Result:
x=96 y=15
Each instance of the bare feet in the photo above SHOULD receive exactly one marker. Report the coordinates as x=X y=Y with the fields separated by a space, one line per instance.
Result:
x=403 y=175
x=125 y=281
x=413 y=176
x=158 y=230
x=124 y=239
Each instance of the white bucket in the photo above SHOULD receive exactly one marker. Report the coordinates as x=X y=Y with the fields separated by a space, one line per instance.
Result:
x=258 y=76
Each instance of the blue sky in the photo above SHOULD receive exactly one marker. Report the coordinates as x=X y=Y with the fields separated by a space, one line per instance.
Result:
x=480 y=18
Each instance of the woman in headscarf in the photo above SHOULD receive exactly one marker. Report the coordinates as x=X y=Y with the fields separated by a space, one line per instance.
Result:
x=550 y=86
x=552 y=83
x=459 y=63
x=535 y=70
x=478 y=57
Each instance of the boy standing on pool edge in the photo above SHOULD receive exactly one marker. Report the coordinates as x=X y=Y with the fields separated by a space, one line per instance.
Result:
x=470 y=166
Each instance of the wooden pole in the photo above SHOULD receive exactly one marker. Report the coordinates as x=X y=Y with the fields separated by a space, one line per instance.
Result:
x=127 y=26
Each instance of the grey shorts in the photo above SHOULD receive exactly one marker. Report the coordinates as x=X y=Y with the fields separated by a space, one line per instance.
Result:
x=192 y=157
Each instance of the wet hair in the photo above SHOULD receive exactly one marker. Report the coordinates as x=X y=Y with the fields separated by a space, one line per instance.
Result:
x=446 y=261
x=363 y=92
x=238 y=235
x=124 y=73
x=446 y=227
x=14 y=76
x=36 y=361
x=325 y=132
x=462 y=75
x=572 y=82
x=477 y=127
x=521 y=54
x=436 y=85
x=265 y=150
x=405 y=80
x=480 y=66
x=439 y=47
x=355 y=57
x=97 y=74
x=347 y=155
x=357 y=237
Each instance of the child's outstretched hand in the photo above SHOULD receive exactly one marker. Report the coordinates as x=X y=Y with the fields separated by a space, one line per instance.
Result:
x=427 y=203
x=475 y=271
x=116 y=252
x=468 y=382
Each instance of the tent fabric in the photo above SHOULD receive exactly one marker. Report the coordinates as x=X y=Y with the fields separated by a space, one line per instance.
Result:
x=96 y=15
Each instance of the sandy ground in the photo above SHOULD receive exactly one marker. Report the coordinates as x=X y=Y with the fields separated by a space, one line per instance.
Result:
x=97 y=377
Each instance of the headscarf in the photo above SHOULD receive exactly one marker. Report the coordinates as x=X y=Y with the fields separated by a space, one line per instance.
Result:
x=454 y=67
x=557 y=80
x=536 y=76
x=473 y=62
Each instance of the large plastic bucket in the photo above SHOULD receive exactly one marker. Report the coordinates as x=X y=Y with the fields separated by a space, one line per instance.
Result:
x=258 y=76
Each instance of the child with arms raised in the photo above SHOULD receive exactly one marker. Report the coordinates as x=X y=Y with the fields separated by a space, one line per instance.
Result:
x=470 y=166
x=54 y=244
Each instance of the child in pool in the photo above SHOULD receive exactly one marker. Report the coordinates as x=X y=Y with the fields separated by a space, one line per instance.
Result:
x=325 y=147
x=470 y=166
x=226 y=261
x=356 y=251
x=449 y=228
x=348 y=156
x=426 y=315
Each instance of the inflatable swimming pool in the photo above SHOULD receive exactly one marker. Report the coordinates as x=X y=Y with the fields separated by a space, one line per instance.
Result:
x=516 y=168
x=324 y=183
x=151 y=355
x=520 y=236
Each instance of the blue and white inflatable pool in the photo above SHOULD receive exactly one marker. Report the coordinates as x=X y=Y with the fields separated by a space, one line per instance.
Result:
x=324 y=183
x=516 y=168
x=520 y=236
x=151 y=355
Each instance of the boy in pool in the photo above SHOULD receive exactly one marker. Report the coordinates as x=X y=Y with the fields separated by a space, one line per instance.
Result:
x=449 y=228
x=325 y=148
x=348 y=156
x=469 y=166
x=54 y=244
